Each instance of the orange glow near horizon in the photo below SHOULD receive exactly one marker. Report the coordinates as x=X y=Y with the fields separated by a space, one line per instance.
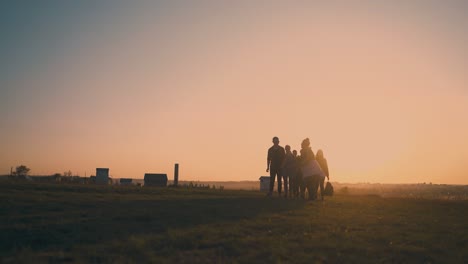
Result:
x=384 y=96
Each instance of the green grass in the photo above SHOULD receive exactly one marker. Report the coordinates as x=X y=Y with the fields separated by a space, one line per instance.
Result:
x=92 y=224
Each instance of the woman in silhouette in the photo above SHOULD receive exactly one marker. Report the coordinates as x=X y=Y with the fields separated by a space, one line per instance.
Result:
x=309 y=181
x=324 y=166
x=296 y=179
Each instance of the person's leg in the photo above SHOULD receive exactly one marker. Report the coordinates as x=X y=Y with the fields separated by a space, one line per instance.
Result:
x=322 y=179
x=292 y=182
x=310 y=188
x=305 y=188
x=279 y=176
x=305 y=183
x=302 y=188
x=272 y=180
x=313 y=182
x=297 y=185
x=286 y=187
x=294 y=186
x=300 y=184
x=317 y=184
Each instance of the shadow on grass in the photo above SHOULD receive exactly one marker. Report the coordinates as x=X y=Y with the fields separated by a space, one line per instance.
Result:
x=61 y=226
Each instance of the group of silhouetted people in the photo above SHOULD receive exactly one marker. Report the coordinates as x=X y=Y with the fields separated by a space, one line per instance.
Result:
x=299 y=174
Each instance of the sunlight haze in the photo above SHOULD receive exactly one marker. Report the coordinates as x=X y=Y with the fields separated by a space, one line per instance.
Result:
x=137 y=86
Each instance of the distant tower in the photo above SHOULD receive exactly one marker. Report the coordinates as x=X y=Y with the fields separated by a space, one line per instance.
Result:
x=176 y=174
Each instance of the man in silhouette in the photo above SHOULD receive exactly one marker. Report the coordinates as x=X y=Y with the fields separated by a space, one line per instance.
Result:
x=275 y=161
x=288 y=170
x=295 y=178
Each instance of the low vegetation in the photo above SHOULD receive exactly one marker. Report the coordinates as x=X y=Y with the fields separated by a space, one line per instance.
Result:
x=115 y=224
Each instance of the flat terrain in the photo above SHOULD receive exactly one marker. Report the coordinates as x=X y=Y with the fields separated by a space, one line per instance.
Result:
x=55 y=223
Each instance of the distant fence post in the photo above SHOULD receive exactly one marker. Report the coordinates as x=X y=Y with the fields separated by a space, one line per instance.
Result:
x=176 y=174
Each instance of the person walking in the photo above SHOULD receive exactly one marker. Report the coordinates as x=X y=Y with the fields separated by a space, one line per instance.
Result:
x=310 y=182
x=324 y=166
x=295 y=180
x=275 y=159
x=289 y=167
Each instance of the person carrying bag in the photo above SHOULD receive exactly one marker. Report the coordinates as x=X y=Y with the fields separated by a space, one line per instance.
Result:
x=311 y=171
x=328 y=190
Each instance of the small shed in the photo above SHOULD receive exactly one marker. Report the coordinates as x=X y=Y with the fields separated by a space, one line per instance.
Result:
x=264 y=183
x=102 y=176
x=125 y=181
x=155 y=179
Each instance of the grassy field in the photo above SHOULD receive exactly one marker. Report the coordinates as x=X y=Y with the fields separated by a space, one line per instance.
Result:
x=81 y=223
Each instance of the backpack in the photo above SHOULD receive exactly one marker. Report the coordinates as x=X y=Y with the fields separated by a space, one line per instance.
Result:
x=328 y=191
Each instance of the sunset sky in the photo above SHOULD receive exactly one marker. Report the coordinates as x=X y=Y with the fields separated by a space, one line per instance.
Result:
x=136 y=86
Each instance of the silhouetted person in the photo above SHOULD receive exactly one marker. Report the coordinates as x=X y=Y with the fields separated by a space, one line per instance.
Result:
x=289 y=169
x=293 y=176
x=310 y=182
x=295 y=179
x=324 y=166
x=275 y=161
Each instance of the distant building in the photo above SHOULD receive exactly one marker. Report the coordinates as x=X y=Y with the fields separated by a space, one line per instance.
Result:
x=102 y=176
x=124 y=181
x=155 y=179
x=264 y=183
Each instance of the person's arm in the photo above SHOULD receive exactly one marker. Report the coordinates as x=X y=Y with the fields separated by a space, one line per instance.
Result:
x=268 y=161
x=326 y=169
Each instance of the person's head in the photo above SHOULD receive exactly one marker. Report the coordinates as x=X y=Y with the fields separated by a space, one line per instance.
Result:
x=295 y=153
x=275 y=141
x=305 y=143
x=319 y=154
x=287 y=148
